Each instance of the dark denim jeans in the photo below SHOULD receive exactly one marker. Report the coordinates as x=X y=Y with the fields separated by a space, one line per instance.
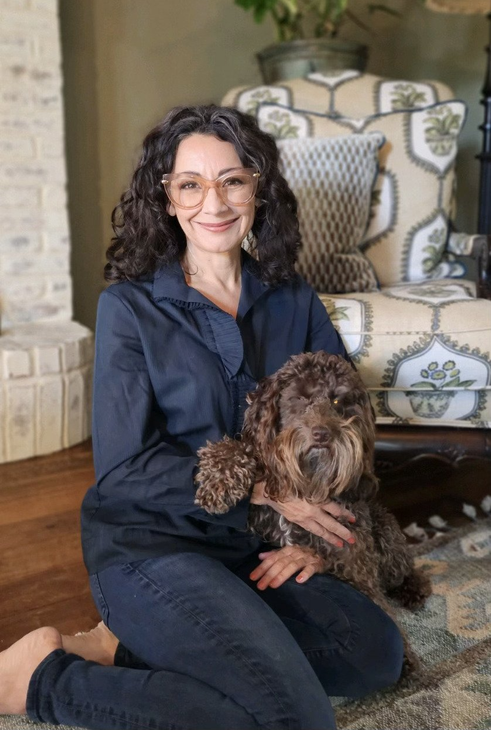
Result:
x=215 y=653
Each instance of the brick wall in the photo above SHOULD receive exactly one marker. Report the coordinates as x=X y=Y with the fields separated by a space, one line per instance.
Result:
x=35 y=283
x=45 y=357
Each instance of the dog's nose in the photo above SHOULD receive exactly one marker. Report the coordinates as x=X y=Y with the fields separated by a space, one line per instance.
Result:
x=319 y=434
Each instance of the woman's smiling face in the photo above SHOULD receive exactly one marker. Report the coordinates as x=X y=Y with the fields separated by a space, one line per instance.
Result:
x=215 y=226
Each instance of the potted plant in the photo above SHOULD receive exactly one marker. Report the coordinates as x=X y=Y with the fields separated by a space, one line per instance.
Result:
x=307 y=36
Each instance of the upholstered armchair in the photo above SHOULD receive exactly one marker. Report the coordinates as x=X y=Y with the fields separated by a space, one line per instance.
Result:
x=372 y=162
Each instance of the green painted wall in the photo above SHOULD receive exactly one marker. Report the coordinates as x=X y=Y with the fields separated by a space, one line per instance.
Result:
x=126 y=62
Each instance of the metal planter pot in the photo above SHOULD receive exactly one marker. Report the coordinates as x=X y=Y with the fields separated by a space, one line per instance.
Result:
x=294 y=59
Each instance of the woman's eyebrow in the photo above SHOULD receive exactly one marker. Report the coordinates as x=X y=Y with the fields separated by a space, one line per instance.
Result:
x=222 y=172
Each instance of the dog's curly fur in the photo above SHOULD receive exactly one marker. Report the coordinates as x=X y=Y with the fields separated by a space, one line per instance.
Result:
x=309 y=432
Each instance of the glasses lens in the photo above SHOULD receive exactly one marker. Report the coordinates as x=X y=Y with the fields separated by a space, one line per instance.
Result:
x=189 y=192
x=186 y=191
x=238 y=188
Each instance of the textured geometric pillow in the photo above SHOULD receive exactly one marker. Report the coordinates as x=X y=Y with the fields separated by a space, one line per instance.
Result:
x=332 y=180
x=406 y=237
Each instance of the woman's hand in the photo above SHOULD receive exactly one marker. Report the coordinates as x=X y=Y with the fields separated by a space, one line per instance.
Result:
x=320 y=519
x=279 y=565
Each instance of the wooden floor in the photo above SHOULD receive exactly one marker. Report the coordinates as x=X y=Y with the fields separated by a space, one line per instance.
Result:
x=42 y=577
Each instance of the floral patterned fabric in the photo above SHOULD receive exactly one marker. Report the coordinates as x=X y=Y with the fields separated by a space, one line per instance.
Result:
x=343 y=93
x=423 y=350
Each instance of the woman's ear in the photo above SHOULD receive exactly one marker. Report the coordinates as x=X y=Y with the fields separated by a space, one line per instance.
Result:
x=171 y=210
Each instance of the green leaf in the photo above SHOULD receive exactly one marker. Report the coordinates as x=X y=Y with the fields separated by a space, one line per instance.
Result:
x=260 y=8
x=454 y=383
x=424 y=385
x=373 y=8
x=290 y=5
x=466 y=383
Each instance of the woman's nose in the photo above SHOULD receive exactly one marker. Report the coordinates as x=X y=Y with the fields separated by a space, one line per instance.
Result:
x=213 y=203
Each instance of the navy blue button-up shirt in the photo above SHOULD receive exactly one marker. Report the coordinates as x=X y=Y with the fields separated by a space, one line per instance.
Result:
x=172 y=371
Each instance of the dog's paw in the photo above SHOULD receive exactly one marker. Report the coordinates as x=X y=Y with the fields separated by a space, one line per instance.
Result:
x=413 y=591
x=215 y=502
x=411 y=665
x=225 y=476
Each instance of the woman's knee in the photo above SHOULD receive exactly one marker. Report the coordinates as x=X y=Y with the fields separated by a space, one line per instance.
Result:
x=381 y=651
x=362 y=648
x=197 y=617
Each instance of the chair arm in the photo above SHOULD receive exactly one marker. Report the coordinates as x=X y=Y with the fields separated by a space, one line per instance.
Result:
x=477 y=247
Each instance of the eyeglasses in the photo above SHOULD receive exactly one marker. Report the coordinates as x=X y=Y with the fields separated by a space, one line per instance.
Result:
x=187 y=190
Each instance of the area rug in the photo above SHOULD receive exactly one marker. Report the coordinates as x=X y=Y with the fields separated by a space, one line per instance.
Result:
x=452 y=636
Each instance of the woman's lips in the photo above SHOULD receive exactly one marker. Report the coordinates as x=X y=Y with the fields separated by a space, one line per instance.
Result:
x=217 y=227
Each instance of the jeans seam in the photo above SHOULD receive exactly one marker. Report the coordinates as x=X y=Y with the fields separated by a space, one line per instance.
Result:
x=217 y=636
x=104 y=713
x=102 y=600
x=323 y=650
x=113 y=715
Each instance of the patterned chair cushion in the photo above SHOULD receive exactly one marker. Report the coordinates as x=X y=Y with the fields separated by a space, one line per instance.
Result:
x=333 y=180
x=406 y=238
x=344 y=93
x=423 y=350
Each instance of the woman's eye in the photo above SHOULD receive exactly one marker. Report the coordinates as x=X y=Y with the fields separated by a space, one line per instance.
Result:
x=188 y=185
x=231 y=182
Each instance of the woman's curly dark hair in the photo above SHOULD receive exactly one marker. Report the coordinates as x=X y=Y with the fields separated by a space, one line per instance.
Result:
x=146 y=236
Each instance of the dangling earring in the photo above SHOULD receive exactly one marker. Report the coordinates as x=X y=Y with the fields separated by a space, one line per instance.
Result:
x=248 y=244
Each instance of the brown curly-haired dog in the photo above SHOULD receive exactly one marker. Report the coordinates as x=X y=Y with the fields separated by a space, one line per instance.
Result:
x=309 y=432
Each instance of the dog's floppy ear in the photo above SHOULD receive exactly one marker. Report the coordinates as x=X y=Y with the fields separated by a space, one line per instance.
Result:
x=261 y=421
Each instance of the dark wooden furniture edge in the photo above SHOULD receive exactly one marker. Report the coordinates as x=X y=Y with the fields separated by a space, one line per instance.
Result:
x=398 y=446
x=481 y=251
x=484 y=212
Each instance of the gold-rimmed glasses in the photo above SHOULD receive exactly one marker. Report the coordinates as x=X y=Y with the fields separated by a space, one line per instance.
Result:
x=188 y=190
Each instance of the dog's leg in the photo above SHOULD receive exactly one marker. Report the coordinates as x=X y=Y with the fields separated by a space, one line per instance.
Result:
x=413 y=591
x=227 y=471
x=399 y=576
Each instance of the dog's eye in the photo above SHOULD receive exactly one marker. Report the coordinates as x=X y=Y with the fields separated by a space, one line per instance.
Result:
x=297 y=399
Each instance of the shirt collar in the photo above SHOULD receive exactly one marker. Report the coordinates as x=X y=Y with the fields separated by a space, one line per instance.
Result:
x=169 y=283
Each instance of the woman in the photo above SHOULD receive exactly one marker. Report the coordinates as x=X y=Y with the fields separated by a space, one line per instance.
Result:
x=215 y=630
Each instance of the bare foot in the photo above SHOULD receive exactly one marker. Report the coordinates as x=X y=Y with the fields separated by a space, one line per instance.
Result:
x=17 y=665
x=98 y=645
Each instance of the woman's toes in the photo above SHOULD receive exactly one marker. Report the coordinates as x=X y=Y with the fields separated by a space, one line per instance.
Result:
x=98 y=645
x=17 y=665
